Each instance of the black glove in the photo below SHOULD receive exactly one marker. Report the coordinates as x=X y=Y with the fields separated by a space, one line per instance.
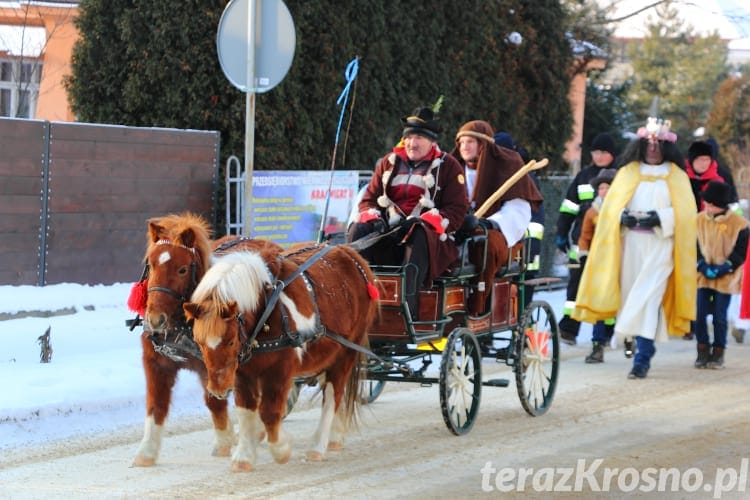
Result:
x=487 y=224
x=650 y=220
x=628 y=220
x=379 y=225
x=468 y=226
x=405 y=227
x=561 y=242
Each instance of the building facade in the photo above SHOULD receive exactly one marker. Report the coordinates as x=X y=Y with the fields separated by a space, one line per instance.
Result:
x=36 y=43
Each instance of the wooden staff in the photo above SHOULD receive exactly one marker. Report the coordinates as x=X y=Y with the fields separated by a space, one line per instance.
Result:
x=532 y=165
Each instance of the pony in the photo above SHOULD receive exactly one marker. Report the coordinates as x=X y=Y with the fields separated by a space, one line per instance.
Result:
x=262 y=319
x=179 y=251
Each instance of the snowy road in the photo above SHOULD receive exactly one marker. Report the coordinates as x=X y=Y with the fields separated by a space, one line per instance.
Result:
x=690 y=422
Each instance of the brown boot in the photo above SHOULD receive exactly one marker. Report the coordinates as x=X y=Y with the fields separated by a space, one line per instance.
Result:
x=716 y=361
x=704 y=352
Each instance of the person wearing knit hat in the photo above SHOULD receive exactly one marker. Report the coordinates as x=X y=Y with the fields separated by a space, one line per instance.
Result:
x=641 y=264
x=722 y=247
x=604 y=142
x=487 y=166
x=578 y=198
x=418 y=189
x=702 y=167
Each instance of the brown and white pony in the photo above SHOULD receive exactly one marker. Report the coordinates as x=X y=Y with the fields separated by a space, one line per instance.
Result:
x=261 y=319
x=179 y=251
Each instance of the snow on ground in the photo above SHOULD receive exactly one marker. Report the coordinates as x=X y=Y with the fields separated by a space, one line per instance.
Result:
x=94 y=382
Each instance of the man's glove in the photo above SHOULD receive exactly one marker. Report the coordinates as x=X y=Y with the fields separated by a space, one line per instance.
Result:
x=562 y=244
x=468 y=226
x=487 y=224
x=718 y=270
x=650 y=220
x=628 y=220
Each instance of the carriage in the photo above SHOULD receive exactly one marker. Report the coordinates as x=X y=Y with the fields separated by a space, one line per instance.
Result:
x=521 y=336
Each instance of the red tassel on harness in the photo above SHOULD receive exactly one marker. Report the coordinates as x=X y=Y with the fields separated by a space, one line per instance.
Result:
x=137 y=298
x=372 y=290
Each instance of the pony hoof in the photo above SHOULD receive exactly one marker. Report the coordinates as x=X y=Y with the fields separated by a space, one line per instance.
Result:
x=284 y=459
x=221 y=451
x=314 y=456
x=335 y=446
x=239 y=466
x=141 y=461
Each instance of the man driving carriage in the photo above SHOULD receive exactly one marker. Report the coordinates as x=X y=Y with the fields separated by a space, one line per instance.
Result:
x=419 y=189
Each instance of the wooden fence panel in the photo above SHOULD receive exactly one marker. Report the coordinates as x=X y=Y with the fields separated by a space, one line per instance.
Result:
x=23 y=158
x=104 y=183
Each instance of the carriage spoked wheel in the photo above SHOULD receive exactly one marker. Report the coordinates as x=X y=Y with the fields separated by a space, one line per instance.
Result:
x=370 y=390
x=537 y=357
x=460 y=381
x=293 y=396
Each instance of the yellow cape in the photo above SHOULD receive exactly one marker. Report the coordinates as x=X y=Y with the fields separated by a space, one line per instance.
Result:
x=599 y=290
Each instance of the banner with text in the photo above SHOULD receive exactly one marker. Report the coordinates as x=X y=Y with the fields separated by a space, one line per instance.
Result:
x=288 y=205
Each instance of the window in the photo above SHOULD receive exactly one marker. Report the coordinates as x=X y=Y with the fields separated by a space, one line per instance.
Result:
x=19 y=87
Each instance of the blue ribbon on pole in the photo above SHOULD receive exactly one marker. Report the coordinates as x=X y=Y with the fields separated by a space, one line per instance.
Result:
x=350 y=74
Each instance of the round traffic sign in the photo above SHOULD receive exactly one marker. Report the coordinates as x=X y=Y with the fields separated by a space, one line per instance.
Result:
x=274 y=43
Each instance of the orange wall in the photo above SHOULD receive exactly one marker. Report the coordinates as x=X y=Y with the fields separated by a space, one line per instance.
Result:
x=52 y=104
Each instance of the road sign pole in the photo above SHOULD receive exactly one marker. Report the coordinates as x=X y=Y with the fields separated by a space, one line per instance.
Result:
x=250 y=117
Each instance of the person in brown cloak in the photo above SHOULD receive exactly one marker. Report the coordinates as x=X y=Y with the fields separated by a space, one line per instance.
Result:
x=487 y=166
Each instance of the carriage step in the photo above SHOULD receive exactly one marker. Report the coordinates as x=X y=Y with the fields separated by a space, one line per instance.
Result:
x=497 y=382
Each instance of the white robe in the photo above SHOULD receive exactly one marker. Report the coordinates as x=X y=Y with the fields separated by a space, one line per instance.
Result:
x=514 y=215
x=647 y=261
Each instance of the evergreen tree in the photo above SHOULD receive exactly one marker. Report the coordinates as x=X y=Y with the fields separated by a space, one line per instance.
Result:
x=155 y=64
x=680 y=69
x=607 y=110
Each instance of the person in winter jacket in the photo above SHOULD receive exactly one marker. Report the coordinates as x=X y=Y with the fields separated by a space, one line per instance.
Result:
x=603 y=330
x=578 y=199
x=420 y=190
x=722 y=245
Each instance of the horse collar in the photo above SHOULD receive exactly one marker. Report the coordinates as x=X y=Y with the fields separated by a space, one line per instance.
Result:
x=287 y=338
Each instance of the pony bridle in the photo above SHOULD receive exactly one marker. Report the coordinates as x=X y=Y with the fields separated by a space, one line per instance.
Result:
x=182 y=297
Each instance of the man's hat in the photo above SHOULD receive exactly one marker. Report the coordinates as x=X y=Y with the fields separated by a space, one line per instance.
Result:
x=700 y=148
x=422 y=122
x=606 y=175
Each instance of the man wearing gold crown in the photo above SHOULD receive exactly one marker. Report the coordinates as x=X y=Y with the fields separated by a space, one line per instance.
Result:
x=642 y=263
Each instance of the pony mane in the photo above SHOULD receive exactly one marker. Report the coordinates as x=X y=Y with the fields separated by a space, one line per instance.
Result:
x=175 y=224
x=237 y=276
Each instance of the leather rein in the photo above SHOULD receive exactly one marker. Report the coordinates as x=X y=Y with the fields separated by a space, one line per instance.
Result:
x=177 y=340
x=287 y=339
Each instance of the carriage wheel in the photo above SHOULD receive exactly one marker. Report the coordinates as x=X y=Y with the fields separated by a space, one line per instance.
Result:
x=460 y=381
x=537 y=357
x=370 y=390
x=291 y=399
